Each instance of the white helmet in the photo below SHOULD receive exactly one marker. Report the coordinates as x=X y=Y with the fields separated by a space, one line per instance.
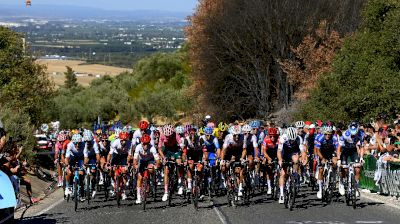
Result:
x=236 y=130
x=291 y=133
x=299 y=124
x=246 y=128
x=179 y=130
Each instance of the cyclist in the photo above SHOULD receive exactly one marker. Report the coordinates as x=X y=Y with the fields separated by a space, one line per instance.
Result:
x=232 y=151
x=120 y=153
x=270 y=148
x=289 y=149
x=75 y=155
x=326 y=146
x=59 y=156
x=169 y=147
x=91 y=156
x=143 y=129
x=104 y=146
x=250 y=146
x=350 y=147
x=194 y=153
x=210 y=146
x=145 y=157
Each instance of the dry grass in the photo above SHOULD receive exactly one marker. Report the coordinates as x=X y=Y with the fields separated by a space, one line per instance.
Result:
x=56 y=69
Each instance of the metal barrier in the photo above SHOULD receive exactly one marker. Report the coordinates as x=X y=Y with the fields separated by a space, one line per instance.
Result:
x=389 y=173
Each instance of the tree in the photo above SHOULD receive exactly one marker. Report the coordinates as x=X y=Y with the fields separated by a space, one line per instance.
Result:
x=24 y=85
x=312 y=58
x=365 y=76
x=70 y=78
x=234 y=47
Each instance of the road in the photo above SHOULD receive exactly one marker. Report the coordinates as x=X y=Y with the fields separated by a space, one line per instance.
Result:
x=261 y=210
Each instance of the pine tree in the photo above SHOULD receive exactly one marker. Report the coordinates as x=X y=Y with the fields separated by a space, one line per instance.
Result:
x=70 y=78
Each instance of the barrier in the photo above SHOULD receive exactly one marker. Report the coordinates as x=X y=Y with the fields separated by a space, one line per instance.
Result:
x=389 y=183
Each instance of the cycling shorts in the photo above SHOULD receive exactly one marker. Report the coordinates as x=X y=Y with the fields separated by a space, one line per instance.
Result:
x=118 y=159
x=349 y=153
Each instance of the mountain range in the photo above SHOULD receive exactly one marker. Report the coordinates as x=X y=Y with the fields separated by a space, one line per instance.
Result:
x=75 y=12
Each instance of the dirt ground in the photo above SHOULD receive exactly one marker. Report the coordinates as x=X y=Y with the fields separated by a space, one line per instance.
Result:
x=56 y=69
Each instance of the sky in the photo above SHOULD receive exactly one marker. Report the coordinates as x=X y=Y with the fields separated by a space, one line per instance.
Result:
x=129 y=5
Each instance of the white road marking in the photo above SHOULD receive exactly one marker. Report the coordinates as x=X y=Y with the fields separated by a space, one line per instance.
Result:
x=219 y=214
x=369 y=222
x=50 y=207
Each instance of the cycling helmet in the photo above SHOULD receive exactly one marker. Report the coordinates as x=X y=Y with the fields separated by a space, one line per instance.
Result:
x=187 y=127
x=98 y=131
x=291 y=133
x=76 y=138
x=272 y=132
x=208 y=117
x=168 y=130
x=236 y=130
x=299 y=124
x=201 y=131
x=104 y=136
x=222 y=126
x=123 y=135
x=61 y=137
x=145 y=139
x=127 y=128
x=353 y=128
x=179 y=130
x=208 y=130
x=87 y=135
x=328 y=130
x=143 y=125
x=246 y=128
x=255 y=124
x=211 y=124
x=117 y=131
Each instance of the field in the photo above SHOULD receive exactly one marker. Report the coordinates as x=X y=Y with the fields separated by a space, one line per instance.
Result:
x=86 y=72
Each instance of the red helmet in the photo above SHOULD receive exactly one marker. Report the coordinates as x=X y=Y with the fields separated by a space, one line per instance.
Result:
x=143 y=125
x=272 y=131
x=104 y=136
x=145 y=139
x=124 y=135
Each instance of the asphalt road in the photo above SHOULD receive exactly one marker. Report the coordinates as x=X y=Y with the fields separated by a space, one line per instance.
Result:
x=261 y=210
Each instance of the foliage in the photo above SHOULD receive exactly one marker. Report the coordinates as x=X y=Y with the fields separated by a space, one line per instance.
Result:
x=70 y=78
x=365 y=76
x=23 y=84
x=18 y=126
x=156 y=88
x=312 y=58
x=234 y=47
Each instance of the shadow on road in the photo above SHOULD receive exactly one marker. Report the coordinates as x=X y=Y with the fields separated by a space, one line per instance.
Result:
x=45 y=219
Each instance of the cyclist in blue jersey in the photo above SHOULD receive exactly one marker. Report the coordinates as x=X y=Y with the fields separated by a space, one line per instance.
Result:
x=350 y=145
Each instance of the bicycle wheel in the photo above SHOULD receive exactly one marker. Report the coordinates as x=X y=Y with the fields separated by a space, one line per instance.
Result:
x=331 y=187
x=196 y=192
x=144 y=191
x=171 y=187
x=292 y=192
x=118 y=191
x=154 y=187
x=106 y=185
x=353 y=192
x=87 y=187
x=75 y=187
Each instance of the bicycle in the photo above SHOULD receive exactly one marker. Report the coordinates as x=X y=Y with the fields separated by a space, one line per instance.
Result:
x=351 y=187
x=232 y=185
x=275 y=181
x=197 y=186
x=88 y=181
x=290 y=187
x=119 y=183
x=312 y=167
x=148 y=184
x=76 y=187
x=329 y=182
x=247 y=186
x=171 y=165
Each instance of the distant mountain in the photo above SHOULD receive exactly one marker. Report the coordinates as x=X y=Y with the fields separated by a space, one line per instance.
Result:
x=74 y=12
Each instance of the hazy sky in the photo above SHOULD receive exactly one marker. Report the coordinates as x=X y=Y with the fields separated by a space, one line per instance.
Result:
x=168 y=5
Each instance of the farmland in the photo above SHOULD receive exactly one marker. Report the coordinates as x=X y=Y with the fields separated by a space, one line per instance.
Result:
x=85 y=72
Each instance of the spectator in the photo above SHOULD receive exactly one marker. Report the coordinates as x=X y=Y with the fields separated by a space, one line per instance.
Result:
x=2 y=139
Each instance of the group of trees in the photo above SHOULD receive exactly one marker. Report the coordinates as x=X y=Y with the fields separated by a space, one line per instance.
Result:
x=236 y=46
x=365 y=75
x=156 y=89
x=24 y=89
